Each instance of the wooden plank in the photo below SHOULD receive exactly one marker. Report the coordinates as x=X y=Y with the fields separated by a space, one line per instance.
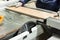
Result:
x=32 y=12
x=57 y=17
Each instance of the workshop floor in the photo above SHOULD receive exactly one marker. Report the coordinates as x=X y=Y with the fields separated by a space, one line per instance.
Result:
x=16 y=17
x=19 y=20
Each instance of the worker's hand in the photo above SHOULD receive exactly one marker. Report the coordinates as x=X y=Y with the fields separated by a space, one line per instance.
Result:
x=19 y=4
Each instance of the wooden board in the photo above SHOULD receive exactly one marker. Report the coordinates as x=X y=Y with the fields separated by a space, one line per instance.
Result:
x=32 y=12
x=58 y=17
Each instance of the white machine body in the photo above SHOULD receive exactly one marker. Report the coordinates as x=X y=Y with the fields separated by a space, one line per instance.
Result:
x=55 y=23
x=36 y=31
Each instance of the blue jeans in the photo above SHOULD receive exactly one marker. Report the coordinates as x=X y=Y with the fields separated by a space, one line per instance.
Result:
x=52 y=7
x=24 y=1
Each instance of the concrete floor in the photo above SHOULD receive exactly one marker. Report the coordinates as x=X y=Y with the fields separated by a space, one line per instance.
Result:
x=18 y=19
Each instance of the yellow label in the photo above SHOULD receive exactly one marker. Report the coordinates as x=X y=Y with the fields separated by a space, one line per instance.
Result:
x=1 y=19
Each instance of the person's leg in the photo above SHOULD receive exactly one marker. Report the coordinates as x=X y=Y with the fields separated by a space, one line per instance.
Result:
x=24 y=2
x=50 y=7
